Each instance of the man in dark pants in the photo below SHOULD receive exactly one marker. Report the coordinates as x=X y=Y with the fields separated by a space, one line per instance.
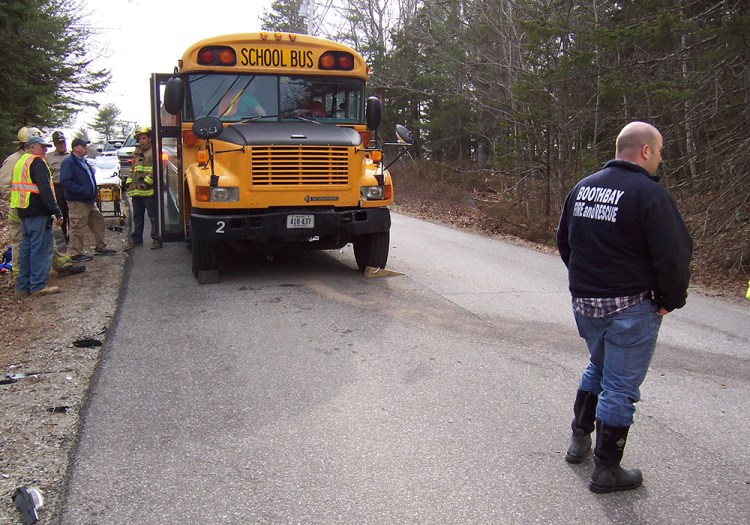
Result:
x=54 y=158
x=628 y=253
x=140 y=187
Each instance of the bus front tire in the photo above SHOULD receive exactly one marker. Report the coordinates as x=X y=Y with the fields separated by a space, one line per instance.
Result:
x=372 y=250
x=203 y=255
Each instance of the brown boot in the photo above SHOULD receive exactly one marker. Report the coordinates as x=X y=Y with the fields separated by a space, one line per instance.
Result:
x=47 y=290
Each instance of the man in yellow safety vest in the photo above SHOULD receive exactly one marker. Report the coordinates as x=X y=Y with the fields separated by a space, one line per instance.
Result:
x=60 y=263
x=33 y=196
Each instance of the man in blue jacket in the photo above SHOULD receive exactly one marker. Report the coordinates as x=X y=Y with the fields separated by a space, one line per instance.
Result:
x=79 y=186
x=628 y=254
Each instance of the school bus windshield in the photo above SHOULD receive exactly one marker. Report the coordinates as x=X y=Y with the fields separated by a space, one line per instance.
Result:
x=267 y=98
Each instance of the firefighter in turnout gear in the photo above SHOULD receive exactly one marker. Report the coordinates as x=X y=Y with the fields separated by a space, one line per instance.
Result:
x=140 y=187
x=61 y=263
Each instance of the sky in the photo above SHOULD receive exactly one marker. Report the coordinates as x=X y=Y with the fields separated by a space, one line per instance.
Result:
x=138 y=37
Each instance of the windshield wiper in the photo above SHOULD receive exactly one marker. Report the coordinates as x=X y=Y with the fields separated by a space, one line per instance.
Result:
x=256 y=118
x=283 y=115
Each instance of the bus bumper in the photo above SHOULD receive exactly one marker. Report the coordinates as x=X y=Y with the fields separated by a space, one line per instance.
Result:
x=335 y=227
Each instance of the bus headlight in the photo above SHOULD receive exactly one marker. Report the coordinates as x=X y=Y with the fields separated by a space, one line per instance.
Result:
x=225 y=194
x=372 y=193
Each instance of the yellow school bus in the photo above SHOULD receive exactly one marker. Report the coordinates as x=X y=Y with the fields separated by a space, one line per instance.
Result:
x=267 y=139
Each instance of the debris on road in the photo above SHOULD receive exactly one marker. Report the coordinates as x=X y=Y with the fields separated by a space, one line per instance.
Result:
x=28 y=500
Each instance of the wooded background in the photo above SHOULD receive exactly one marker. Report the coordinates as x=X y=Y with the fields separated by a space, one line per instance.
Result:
x=516 y=100
x=46 y=65
x=512 y=101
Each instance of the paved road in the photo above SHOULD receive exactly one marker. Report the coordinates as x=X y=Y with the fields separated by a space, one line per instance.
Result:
x=295 y=391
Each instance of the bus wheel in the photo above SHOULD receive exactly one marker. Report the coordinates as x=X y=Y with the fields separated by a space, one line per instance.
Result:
x=372 y=250
x=204 y=260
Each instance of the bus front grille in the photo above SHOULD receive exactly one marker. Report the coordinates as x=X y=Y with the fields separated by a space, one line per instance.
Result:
x=291 y=166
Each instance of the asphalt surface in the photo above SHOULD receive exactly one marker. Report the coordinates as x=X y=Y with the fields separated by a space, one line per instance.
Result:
x=296 y=391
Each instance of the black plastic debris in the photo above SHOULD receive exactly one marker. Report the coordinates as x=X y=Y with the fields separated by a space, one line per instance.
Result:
x=116 y=228
x=28 y=500
x=62 y=409
x=86 y=342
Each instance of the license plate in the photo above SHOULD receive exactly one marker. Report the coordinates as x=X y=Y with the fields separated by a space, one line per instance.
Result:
x=300 y=221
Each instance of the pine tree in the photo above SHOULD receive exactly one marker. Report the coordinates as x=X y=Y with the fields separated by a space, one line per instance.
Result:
x=106 y=121
x=285 y=16
x=46 y=64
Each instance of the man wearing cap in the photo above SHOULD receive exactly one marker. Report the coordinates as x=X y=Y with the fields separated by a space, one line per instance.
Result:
x=54 y=158
x=32 y=195
x=79 y=185
x=60 y=263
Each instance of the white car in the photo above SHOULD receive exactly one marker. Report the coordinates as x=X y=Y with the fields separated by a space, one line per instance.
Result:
x=125 y=153
x=111 y=146
x=108 y=149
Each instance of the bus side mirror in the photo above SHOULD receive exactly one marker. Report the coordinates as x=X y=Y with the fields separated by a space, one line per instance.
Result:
x=373 y=112
x=405 y=139
x=174 y=94
x=207 y=128
x=404 y=135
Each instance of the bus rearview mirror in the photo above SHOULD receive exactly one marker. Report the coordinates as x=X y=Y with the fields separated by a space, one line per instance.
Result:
x=404 y=135
x=207 y=128
x=373 y=112
x=174 y=94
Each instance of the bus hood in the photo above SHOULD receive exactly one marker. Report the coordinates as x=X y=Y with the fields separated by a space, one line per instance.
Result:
x=289 y=134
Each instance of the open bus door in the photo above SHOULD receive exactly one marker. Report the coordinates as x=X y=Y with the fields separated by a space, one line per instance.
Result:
x=168 y=160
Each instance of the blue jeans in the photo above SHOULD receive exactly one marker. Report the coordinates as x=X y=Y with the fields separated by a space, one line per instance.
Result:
x=35 y=260
x=141 y=205
x=620 y=346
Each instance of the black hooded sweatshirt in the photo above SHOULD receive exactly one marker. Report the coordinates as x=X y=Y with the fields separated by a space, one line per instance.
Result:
x=620 y=234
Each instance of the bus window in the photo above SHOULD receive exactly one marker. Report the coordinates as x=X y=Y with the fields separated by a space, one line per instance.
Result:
x=231 y=98
x=322 y=98
x=236 y=97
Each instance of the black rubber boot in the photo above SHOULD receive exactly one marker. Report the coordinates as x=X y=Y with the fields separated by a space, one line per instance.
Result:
x=608 y=476
x=584 y=411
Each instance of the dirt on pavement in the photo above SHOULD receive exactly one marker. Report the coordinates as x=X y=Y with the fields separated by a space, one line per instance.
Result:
x=40 y=409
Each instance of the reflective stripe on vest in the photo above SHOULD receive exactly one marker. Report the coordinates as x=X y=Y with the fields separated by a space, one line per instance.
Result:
x=21 y=186
x=228 y=106
x=142 y=170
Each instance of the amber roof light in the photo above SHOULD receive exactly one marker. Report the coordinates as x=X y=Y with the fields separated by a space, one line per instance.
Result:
x=217 y=56
x=336 y=60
